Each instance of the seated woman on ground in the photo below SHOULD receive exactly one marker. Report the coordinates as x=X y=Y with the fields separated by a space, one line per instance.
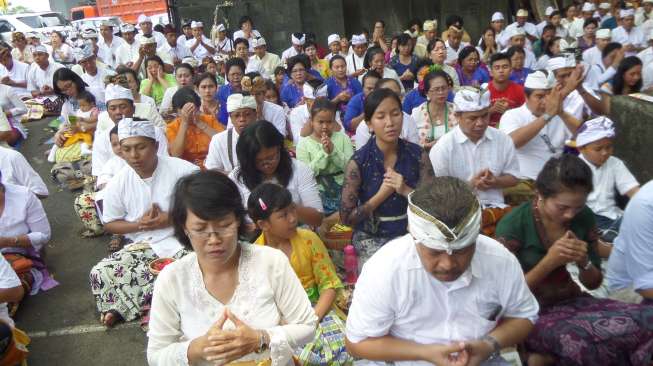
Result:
x=263 y=158
x=11 y=338
x=157 y=81
x=226 y=287
x=270 y=206
x=555 y=231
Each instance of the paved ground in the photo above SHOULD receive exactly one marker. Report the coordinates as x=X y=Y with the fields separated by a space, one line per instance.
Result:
x=63 y=322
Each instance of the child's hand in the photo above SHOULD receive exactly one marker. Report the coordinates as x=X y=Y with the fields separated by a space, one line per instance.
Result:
x=327 y=144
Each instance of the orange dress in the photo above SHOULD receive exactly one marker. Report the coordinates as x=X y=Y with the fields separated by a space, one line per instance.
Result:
x=197 y=141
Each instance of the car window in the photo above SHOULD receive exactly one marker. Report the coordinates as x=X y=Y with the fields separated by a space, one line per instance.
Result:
x=33 y=21
x=44 y=20
x=5 y=26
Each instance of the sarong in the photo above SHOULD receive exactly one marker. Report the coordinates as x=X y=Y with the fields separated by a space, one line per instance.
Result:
x=87 y=212
x=328 y=346
x=490 y=219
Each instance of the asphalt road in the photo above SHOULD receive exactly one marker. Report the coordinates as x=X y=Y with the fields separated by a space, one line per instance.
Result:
x=63 y=322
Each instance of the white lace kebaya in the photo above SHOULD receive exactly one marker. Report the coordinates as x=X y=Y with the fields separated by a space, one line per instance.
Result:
x=268 y=295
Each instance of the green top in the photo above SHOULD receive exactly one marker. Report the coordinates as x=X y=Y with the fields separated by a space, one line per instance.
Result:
x=518 y=231
x=310 y=152
x=157 y=90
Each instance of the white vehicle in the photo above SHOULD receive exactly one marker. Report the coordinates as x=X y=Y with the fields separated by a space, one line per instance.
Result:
x=42 y=23
x=95 y=23
x=160 y=18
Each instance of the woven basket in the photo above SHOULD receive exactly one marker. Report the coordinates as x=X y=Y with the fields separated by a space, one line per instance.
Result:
x=338 y=240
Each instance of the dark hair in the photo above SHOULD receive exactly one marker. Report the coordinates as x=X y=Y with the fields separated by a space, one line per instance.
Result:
x=63 y=38
x=382 y=82
x=335 y=58
x=465 y=52
x=244 y=19
x=6 y=45
x=554 y=13
x=122 y=70
x=375 y=98
x=279 y=70
x=515 y=49
x=322 y=104
x=414 y=21
x=298 y=59
x=448 y=199
x=609 y=48
x=239 y=41
x=404 y=40
x=113 y=131
x=371 y=52
x=168 y=28
x=185 y=95
x=235 y=61
x=432 y=44
x=87 y=96
x=257 y=136
x=549 y=27
x=310 y=43
x=158 y=28
x=453 y=19
x=208 y=195
x=432 y=76
x=269 y=85
x=185 y=66
x=590 y=21
x=204 y=76
x=274 y=198
x=371 y=74
x=619 y=82
x=498 y=57
x=548 y=45
x=65 y=74
x=380 y=21
x=154 y=58
x=567 y=172
x=482 y=45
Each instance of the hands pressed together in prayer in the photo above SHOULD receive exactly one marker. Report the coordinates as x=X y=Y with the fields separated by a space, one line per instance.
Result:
x=153 y=219
x=343 y=96
x=394 y=182
x=327 y=144
x=568 y=249
x=484 y=180
x=470 y=353
x=221 y=346
x=500 y=106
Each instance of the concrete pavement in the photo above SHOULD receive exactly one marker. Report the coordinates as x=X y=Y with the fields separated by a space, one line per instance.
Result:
x=63 y=322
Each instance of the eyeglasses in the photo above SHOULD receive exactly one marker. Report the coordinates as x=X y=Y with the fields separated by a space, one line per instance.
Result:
x=224 y=233
x=438 y=90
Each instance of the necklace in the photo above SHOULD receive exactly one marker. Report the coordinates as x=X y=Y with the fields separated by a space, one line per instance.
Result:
x=446 y=120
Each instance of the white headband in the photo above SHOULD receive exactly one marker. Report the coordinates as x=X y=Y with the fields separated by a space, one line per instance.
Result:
x=549 y=10
x=434 y=234
x=221 y=28
x=594 y=130
x=113 y=91
x=603 y=34
x=497 y=17
x=126 y=27
x=522 y=13
x=358 y=39
x=298 y=41
x=587 y=7
x=515 y=31
x=239 y=101
x=333 y=38
x=195 y=24
x=604 y=6
x=627 y=13
x=540 y=80
x=144 y=19
x=561 y=62
x=127 y=128
x=471 y=100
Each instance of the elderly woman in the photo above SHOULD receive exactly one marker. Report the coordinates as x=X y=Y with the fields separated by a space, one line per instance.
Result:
x=292 y=93
x=471 y=72
x=24 y=230
x=22 y=51
x=228 y=301
x=557 y=230
x=435 y=117
x=375 y=60
x=189 y=134
x=157 y=81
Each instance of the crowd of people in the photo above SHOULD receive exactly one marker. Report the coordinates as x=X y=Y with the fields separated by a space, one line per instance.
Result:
x=472 y=185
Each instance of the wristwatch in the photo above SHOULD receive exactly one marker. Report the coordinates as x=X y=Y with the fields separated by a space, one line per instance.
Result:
x=264 y=342
x=496 y=347
x=547 y=117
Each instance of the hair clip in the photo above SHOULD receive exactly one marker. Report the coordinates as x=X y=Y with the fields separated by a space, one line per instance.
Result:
x=264 y=207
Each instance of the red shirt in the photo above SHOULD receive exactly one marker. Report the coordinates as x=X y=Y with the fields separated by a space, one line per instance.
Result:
x=513 y=94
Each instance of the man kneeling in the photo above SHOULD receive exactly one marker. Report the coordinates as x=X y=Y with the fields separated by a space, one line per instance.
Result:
x=442 y=294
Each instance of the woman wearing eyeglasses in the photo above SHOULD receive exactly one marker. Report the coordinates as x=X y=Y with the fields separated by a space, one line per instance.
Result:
x=228 y=302
x=292 y=92
x=471 y=72
x=435 y=117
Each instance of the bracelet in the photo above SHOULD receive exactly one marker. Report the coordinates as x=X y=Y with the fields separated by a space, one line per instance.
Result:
x=496 y=347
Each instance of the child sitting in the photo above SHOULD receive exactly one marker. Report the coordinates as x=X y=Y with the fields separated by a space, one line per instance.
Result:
x=79 y=128
x=326 y=151
x=271 y=208
x=594 y=140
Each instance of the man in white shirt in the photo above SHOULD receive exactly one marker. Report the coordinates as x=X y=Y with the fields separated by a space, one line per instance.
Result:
x=41 y=71
x=547 y=19
x=576 y=27
x=562 y=67
x=521 y=21
x=102 y=52
x=356 y=59
x=271 y=112
x=630 y=36
x=15 y=169
x=252 y=64
x=333 y=42
x=222 y=148
x=200 y=46
x=539 y=130
x=647 y=54
x=454 y=44
x=111 y=42
x=94 y=75
x=147 y=49
x=145 y=23
x=430 y=28
x=442 y=294
x=186 y=33
x=481 y=155
x=269 y=61
x=644 y=12
x=223 y=44
x=612 y=55
x=128 y=51
x=592 y=55
x=516 y=36
x=13 y=73
x=297 y=40
x=176 y=52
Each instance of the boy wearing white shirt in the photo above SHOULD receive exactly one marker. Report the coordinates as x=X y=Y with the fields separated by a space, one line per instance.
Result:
x=609 y=174
x=476 y=153
x=39 y=76
x=442 y=292
x=145 y=23
x=356 y=59
x=269 y=61
x=630 y=36
x=562 y=67
x=200 y=46
x=604 y=71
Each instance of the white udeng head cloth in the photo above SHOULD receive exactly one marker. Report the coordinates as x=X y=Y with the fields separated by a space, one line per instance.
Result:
x=469 y=99
x=561 y=62
x=540 y=80
x=497 y=16
x=238 y=101
x=595 y=130
x=113 y=92
x=127 y=128
x=434 y=234
x=358 y=39
x=298 y=41
x=333 y=38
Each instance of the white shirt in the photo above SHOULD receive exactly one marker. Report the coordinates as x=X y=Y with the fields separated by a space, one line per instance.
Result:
x=575 y=29
x=10 y=102
x=297 y=118
x=127 y=53
x=269 y=62
x=647 y=76
x=97 y=81
x=646 y=55
x=218 y=155
x=127 y=197
x=274 y=114
x=166 y=101
x=613 y=174
x=253 y=34
x=290 y=52
x=18 y=73
x=574 y=104
x=225 y=46
x=8 y=279
x=116 y=43
x=354 y=63
x=395 y=296
x=635 y=37
x=455 y=155
x=593 y=56
x=452 y=54
x=408 y=132
x=200 y=52
x=16 y=170
x=24 y=215
x=302 y=186
x=158 y=36
x=534 y=154
x=255 y=65
x=37 y=78
x=180 y=51
x=599 y=74
x=268 y=296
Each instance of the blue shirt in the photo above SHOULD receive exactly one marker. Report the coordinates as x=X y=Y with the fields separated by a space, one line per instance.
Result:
x=610 y=23
x=370 y=164
x=519 y=76
x=401 y=69
x=291 y=94
x=355 y=108
x=334 y=88
x=479 y=77
x=221 y=96
x=412 y=100
x=631 y=260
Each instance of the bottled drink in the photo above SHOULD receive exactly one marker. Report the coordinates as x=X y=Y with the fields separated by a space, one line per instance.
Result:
x=351 y=265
